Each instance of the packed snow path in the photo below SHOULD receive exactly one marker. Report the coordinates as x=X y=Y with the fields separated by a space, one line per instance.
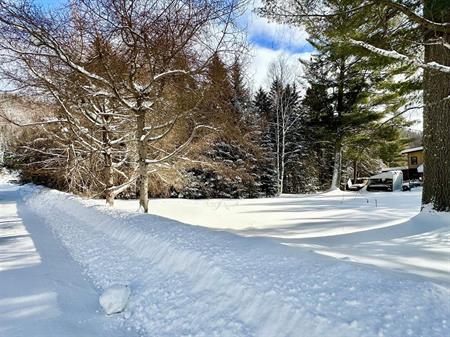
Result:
x=381 y=229
x=42 y=290
x=191 y=281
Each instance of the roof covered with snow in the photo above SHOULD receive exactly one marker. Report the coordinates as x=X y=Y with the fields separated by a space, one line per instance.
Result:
x=412 y=149
x=398 y=168
x=386 y=175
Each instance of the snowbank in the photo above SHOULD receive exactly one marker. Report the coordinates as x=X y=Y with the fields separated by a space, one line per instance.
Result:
x=42 y=290
x=385 y=229
x=193 y=281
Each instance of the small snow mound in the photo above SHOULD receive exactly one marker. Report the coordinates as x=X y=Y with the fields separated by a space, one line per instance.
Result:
x=115 y=298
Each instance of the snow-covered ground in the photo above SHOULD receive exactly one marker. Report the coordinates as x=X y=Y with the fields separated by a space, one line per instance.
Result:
x=382 y=229
x=193 y=281
x=43 y=292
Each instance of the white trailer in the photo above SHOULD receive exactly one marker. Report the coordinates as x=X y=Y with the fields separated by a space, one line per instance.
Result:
x=386 y=181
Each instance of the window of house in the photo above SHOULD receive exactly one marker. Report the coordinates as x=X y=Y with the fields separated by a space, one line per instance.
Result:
x=414 y=160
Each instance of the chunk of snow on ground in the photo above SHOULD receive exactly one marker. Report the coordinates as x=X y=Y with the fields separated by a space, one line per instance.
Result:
x=115 y=298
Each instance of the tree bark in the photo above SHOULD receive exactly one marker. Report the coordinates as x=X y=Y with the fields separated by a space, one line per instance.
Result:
x=355 y=170
x=336 y=180
x=109 y=180
x=108 y=174
x=142 y=157
x=278 y=144
x=283 y=158
x=71 y=155
x=436 y=116
x=337 y=166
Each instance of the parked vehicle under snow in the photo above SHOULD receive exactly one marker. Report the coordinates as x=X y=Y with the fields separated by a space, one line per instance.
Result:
x=386 y=181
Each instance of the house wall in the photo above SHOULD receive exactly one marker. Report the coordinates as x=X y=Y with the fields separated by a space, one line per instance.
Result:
x=416 y=154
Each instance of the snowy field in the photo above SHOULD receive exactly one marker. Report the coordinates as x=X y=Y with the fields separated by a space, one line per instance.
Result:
x=58 y=252
x=381 y=229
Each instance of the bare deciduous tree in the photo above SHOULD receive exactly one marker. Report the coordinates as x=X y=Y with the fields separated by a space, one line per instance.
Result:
x=287 y=114
x=148 y=55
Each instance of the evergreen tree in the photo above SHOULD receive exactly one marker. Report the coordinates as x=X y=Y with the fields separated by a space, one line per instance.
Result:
x=261 y=103
x=240 y=94
x=351 y=98
x=393 y=34
x=267 y=170
x=319 y=142
x=237 y=164
x=367 y=152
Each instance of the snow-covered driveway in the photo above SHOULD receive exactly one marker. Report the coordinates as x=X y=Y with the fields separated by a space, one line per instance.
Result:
x=381 y=229
x=192 y=281
x=42 y=290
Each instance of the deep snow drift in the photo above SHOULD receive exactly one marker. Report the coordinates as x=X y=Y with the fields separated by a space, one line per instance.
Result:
x=191 y=281
x=382 y=229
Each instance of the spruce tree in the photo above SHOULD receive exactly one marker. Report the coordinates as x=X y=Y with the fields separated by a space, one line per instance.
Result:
x=267 y=168
x=319 y=114
x=344 y=82
x=240 y=93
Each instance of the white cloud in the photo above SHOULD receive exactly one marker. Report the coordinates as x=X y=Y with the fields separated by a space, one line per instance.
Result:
x=262 y=58
x=283 y=36
x=270 y=41
x=262 y=30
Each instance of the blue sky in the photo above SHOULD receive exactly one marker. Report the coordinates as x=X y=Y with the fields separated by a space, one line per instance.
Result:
x=49 y=3
x=270 y=41
x=271 y=35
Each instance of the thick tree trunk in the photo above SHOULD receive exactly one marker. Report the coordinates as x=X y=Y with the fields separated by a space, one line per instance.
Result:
x=109 y=180
x=108 y=173
x=355 y=170
x=142 y=157
x=436 y=119
x=337 y=166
